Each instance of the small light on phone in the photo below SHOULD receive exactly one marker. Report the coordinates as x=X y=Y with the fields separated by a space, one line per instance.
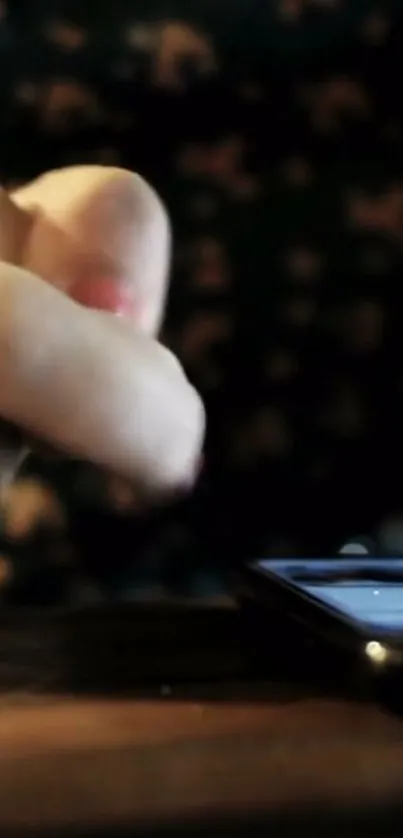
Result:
x=377 y=652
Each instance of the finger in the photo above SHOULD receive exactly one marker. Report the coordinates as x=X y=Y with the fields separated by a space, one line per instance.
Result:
x=13 y=451
x=14 y=229
x=15 y=225
x=101 y=235
x=95 y=388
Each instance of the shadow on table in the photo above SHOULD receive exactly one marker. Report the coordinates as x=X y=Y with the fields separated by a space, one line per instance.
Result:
x=385 y=820
x=151 y=651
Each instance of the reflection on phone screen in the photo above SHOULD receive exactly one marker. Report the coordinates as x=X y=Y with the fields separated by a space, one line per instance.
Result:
x=371 y=591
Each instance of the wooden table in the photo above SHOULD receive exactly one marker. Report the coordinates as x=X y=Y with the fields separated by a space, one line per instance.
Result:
x=66 y=762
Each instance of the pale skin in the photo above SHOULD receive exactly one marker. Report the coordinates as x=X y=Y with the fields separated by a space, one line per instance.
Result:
x=94 y=384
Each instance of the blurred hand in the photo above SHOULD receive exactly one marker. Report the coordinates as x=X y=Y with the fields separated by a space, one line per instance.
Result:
x=83 y=277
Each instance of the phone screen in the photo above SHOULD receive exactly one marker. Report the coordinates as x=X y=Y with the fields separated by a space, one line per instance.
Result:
x=367 y=590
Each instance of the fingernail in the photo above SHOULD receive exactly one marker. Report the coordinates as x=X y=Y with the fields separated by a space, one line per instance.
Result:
x=104 y=294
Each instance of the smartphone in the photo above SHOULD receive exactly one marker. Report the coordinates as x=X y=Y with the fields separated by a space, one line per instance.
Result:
x=353 y=604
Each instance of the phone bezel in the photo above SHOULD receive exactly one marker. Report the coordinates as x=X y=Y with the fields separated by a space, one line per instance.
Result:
x=276 y=589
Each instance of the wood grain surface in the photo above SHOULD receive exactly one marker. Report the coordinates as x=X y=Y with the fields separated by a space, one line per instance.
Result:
x=68 y=762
